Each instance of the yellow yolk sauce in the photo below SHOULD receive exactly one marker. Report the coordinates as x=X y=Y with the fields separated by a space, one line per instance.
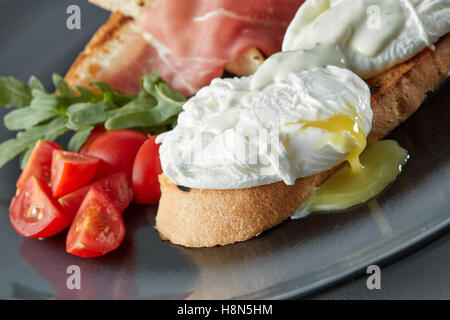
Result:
x=381 y=164
x=344 y=132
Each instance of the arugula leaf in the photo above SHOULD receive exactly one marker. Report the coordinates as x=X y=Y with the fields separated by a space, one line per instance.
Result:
x=157 y=116
x=117 y=98
x=102 y=86
x=78 y=139
x=121 y=99
x=25 y=118
x=61 y=86
x=48 y=131
x=85 y=95
x=57 y=128
x=43 y=101
x=143 y=112
x=48 y=116
x=25 y=156
x=14 y=93
x=34 y=83
x=11 y=148
x=148 y=82
x=141 y=104
x=81 y=115
x=174 y=122
x=166 y=92
x=155 y=86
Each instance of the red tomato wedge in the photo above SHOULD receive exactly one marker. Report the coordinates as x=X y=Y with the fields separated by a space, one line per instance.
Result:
x=98 y=227
x=117 y=149
x=146 y=169
x=71 y=171
x=34 y=213
x=117 y=187
x=39 y=164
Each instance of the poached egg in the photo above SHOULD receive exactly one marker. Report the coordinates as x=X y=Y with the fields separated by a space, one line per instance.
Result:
x=229 y=136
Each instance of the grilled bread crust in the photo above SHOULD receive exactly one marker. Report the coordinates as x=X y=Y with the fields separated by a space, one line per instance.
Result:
x=101 y=50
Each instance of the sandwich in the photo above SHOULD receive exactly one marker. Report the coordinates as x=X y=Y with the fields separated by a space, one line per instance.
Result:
x=371 y=68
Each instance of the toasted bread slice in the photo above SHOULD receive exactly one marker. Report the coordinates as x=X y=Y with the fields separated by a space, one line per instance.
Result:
x=110 y=39
x=204 y=218
x=101 y=50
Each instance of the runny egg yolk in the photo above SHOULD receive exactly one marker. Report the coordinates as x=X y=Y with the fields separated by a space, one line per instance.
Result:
x=368 y=172
x=346 y=188
x=344 y=133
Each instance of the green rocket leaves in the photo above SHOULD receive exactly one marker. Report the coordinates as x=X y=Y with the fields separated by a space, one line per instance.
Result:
x=43 y=115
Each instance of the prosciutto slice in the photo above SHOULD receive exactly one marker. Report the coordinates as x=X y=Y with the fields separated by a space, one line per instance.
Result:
x=193 y=40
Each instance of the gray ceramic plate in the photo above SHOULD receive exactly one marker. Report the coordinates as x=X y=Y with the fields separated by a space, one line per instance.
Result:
x=290 y=260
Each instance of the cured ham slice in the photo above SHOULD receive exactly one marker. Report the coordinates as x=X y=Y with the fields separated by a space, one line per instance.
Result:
x=189 y=42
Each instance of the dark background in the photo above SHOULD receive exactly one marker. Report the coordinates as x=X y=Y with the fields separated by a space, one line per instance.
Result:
x=34 y=40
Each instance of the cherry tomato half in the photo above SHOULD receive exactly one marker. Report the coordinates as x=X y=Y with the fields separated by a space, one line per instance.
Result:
x=117 y=149
x=71 y=171
x=117 y=186
x=147 y=167
x=34 y=213
x=39 y=164
x=98 y=227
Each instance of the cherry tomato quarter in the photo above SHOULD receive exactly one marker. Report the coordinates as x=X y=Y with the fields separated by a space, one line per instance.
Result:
x=117 y=186
x=34 y=213
x=98 y=227
x=71 y=171
x=39 y=164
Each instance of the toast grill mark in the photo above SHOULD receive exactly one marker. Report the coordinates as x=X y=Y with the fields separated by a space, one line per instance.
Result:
x=184 y=189
x=374 y=89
